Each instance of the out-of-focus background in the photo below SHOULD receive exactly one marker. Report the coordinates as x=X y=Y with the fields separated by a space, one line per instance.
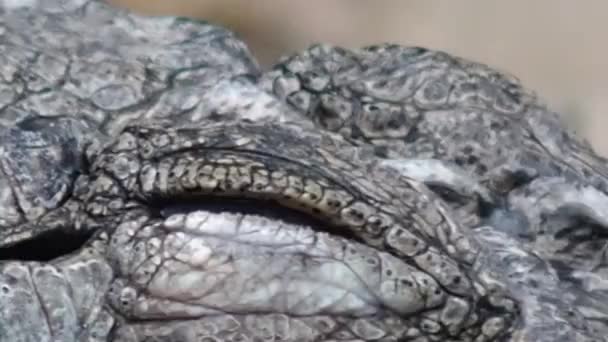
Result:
x=559 y=48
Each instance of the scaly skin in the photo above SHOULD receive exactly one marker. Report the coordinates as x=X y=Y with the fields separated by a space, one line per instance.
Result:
x=382 y=194
x=533 y=180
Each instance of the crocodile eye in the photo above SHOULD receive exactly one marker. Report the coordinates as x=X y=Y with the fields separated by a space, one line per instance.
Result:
x=447 y=194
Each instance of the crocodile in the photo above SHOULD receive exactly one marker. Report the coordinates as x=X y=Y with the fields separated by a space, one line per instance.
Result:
x=159 y=185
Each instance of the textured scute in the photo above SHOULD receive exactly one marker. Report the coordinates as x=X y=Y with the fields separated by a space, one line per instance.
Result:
x=275 y=327
x=53 y=145
x=60 y=301
x=108 y=66
x=387 y=193
x=547 y=302
x=257 y=266
x=74 y=73
x=419 y=103
x=478 y=139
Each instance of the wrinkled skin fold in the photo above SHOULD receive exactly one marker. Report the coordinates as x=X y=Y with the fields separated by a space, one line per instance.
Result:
x=157 y=185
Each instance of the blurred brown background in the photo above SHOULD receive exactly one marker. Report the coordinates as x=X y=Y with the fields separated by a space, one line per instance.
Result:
x=556 y=47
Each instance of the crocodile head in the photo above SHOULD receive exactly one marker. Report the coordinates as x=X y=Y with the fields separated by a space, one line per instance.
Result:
x=157 y=185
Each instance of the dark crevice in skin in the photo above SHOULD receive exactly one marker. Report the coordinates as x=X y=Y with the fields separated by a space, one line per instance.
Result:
x=165 y=207
x=46 y=246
